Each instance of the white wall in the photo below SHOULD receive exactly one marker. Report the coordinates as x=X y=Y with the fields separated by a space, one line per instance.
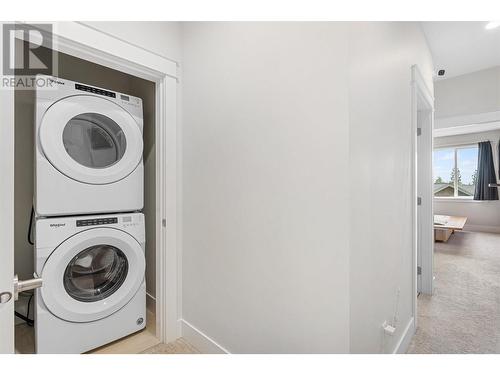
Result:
x=297 y=185
x=265 y=140
x=162 y=38
x=469 y=94
x=481 y=215
x=382 y=54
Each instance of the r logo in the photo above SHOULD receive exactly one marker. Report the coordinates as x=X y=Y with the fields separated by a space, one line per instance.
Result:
x=23 y=55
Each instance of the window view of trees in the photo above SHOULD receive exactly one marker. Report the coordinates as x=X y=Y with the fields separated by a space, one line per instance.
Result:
x=455 y=171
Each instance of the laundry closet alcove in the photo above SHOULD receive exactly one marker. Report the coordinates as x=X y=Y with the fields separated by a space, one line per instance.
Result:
x=156 y=183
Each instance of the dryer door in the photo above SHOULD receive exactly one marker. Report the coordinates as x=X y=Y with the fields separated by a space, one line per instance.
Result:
x=90 y=139
x=92 y=274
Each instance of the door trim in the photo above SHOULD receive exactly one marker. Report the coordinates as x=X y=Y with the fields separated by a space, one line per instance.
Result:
x=6 y=209
x=87 y=43
x=420 y=92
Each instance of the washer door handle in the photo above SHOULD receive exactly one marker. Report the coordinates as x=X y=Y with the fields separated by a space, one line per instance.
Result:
x=23 y=285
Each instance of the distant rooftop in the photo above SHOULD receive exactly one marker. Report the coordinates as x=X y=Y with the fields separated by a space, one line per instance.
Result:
x=467 y=190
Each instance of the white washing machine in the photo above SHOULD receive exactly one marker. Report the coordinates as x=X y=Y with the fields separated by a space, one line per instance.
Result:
x=89 y=145
x=93 y=287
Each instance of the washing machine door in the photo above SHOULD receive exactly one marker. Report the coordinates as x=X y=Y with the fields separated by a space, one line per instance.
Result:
x=90 y=139
x=92 y=274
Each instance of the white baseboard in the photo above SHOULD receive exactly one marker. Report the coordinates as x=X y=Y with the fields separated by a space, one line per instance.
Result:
x=404 y=341
x=207 y=345
x=200 y=340
x=482 y=228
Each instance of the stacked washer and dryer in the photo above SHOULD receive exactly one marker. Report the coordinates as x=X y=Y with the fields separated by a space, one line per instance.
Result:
x=90 y=235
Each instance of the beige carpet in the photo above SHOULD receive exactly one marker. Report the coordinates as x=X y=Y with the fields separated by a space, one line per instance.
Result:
x=463 y=315
x=179 y=346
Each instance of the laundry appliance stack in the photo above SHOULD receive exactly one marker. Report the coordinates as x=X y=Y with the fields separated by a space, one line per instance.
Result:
x=89 y=234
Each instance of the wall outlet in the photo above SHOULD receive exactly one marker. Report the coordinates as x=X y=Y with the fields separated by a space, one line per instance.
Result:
x=388 y=329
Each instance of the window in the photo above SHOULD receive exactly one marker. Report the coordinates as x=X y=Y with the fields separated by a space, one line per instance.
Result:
x=455 y=171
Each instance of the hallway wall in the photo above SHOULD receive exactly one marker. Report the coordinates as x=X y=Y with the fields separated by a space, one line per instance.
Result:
x=297 y=184
x=382 y=54
x=160 y=37
x=265 y=151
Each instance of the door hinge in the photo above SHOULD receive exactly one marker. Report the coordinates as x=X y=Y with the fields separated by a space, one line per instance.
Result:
x=419 y=201
x=164 y=222
x=419 y=131
x=419 y=270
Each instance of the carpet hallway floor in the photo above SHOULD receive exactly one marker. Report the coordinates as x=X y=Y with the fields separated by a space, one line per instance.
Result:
x=463 y=315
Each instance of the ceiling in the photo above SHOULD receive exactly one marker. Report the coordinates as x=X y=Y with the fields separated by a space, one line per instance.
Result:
x=462 y=47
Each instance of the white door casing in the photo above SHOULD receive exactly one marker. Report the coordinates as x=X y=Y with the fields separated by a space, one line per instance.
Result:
x=422 y=114
x=425 y=192
x=425 y=218
x=6 y=214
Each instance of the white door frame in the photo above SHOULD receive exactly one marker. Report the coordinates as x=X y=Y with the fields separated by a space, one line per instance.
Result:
x=420 y=93
x=84 y=42
x=6 y=212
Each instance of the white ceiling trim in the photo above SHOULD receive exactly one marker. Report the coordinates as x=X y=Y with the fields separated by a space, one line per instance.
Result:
x=479 y=123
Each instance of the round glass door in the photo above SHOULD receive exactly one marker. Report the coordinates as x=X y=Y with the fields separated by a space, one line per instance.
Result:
x=95 y=273
x=92 y=274
x=94 y=140
x=91 y=140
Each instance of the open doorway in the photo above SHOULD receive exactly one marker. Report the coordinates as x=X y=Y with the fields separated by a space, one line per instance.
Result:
x=86 y=72
x=461 y=315
x=107 y=50
x=423 y=237
x=92 y=45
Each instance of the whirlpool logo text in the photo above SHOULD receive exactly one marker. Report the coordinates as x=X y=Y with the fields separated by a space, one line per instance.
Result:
x=57 y=225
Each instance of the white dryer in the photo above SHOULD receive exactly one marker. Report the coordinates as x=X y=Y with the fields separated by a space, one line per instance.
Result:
x=88 y=150
x=93 y=289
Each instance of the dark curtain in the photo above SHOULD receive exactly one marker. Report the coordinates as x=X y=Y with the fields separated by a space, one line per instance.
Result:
x=485 y=174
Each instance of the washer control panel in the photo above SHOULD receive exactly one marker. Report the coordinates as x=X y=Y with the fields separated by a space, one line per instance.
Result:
x=100 y=221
